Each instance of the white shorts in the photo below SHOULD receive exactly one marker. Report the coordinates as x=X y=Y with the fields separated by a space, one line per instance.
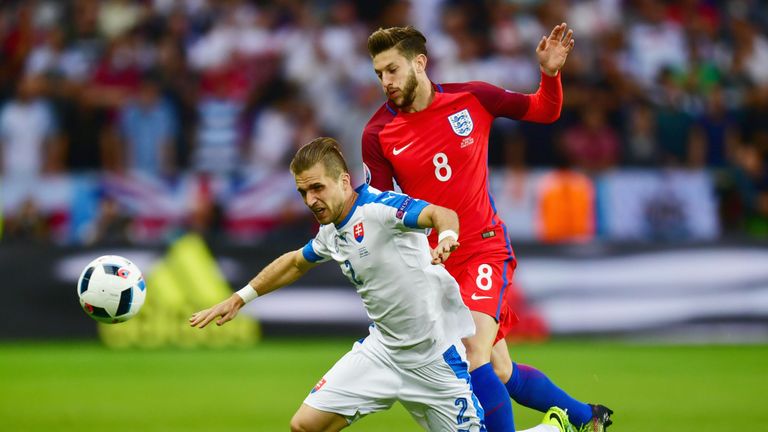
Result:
x=438 y=395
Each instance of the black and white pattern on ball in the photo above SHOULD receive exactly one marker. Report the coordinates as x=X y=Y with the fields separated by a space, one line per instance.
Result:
x=126 y=297
x=111 y=269
x=85 y=279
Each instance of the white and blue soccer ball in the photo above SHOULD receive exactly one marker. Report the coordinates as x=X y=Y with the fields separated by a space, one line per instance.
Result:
x=111 y=289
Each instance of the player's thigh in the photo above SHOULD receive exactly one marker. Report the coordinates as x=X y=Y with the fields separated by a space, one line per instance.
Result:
x=357 y=385
x=309 y=419
x=439 y=395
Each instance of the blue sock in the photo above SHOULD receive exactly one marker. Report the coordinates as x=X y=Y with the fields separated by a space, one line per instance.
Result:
x=494 y=399
x=529 y=387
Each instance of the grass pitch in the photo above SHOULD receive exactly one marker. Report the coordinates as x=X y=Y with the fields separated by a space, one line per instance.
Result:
x=82 y=387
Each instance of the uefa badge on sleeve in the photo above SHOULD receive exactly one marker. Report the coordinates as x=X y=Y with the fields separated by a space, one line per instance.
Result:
x=359 y=232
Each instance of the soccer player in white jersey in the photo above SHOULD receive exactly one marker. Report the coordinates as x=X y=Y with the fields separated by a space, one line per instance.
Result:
x=413 y=353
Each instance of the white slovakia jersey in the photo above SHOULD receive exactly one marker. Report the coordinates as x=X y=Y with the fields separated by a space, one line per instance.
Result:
x=415 y=306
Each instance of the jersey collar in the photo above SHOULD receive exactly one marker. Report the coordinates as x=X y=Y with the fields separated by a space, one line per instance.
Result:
x=364 y=196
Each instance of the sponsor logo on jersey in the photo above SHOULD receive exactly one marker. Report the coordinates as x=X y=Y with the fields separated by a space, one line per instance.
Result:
x=359 y=232
x=479 y=297
x=318 y=386
x=461 y=122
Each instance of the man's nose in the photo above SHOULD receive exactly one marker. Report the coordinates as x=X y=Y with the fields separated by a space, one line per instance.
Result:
x=386 y=80
x=311 y=199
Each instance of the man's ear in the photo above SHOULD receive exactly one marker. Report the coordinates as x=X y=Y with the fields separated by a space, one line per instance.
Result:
x=346 y=180
x=420 y=63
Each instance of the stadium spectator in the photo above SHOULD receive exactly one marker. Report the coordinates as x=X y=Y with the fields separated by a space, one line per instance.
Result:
x=27 y=224
x=641 y=148
x=57 y=61
x=117 y=17
x=566 y=207
x=275 y=126
x=718 y=127
x=148 y=129
x=591 y=145
x=655 y=42
x=217 y=139
x=111 y=225
x=674 y=122
x=29 y=140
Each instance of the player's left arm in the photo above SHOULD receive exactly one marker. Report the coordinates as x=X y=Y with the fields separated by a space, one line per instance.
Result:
x=378 y=170
x=446 y=222
x=545 y=105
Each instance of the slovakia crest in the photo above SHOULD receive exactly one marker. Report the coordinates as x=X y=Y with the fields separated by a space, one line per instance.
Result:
x=318 y=386
x=461 y=122
x=359 y=232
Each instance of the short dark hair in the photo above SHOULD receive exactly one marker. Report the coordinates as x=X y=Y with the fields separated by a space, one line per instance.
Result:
x=408 y=41
x=322 y=149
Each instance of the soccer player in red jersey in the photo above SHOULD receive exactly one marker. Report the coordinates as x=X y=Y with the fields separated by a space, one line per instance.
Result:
x=432 y=139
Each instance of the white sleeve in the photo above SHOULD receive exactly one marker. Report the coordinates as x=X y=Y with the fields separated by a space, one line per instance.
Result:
x=316 y=250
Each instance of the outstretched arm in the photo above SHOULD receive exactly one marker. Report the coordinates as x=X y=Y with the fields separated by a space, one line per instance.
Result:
x=446 y=222
x=281 y=272
x=543 y=106
x=552 y=51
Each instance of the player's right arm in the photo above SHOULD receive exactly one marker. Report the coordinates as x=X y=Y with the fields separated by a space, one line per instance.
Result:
x=446 y=222
x=283 y=271
x=378 y=170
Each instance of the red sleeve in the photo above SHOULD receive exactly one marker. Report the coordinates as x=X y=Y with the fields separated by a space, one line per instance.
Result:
x=547 y=102
x=541 y=107
x=378 y=170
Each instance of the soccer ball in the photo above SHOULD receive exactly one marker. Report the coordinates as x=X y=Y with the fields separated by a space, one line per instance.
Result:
x=111 y=289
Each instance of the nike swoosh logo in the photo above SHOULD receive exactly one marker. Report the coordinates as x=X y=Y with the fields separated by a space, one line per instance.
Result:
x=477 y=297
x=397 y=151
x=557 y=417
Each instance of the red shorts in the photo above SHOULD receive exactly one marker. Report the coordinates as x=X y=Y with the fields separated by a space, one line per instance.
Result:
x=485 y=280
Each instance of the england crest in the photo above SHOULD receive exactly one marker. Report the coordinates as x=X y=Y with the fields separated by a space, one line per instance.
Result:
x=461 y=123
x=358 y=232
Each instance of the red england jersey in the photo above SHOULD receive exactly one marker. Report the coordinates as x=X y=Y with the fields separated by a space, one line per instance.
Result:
x=440 y=154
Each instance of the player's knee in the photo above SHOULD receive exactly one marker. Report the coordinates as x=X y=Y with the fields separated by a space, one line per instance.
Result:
x=503 y=369
x=478 y=353
x=301 y=424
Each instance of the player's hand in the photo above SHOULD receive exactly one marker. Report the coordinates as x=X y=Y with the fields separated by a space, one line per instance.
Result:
x=553 y=50
x=443 y=250
x=227 y=310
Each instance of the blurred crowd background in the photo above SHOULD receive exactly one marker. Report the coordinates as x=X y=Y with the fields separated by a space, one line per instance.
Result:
x=137 y=120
